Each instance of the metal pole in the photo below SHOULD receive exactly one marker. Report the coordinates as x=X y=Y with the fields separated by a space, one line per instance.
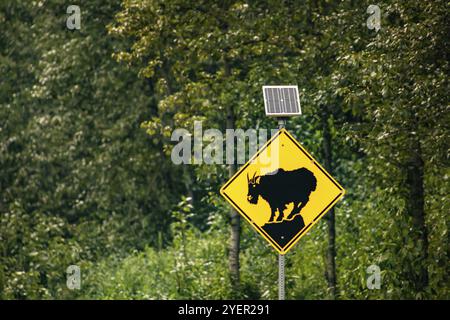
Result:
x=281 y=280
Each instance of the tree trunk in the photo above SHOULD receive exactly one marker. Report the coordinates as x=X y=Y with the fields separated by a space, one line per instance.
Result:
x=235 y=218
x=235 y=223
x=331 y=250
x=188 y=184
x=415 y=208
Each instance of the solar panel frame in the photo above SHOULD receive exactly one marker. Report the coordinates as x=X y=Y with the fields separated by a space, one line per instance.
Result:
x=281 y=103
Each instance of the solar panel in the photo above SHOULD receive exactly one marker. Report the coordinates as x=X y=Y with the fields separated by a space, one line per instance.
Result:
x=281 y=101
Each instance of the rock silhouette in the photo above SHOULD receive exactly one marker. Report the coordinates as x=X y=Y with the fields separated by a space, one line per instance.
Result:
x=283 y=232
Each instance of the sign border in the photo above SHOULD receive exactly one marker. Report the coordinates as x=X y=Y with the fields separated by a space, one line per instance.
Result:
x=296 y=238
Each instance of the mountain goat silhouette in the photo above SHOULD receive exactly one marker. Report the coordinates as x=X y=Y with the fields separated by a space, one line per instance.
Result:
x=280 y=188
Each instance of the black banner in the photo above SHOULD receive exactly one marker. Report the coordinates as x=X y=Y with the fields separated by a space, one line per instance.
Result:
x=217 y=309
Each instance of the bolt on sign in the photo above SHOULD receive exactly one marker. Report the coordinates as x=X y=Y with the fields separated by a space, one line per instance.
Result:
x=282 y=191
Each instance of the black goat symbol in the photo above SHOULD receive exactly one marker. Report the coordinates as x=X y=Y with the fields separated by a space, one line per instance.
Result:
x=280 y=188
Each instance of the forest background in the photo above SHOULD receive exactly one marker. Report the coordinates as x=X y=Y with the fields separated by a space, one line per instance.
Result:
x=86 y=117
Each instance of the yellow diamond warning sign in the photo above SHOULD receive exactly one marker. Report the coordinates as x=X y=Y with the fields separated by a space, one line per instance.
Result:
x=282 y=191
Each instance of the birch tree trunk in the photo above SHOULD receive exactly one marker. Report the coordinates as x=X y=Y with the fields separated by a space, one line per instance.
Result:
x=415 y=208
x=331 y=250
x=235 y=217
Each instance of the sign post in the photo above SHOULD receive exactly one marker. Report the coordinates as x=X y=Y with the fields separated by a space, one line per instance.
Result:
x=281 y=280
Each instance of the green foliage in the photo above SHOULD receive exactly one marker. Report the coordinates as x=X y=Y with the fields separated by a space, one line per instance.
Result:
x=191 y=268
x=33 y=250
x=71 y=146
